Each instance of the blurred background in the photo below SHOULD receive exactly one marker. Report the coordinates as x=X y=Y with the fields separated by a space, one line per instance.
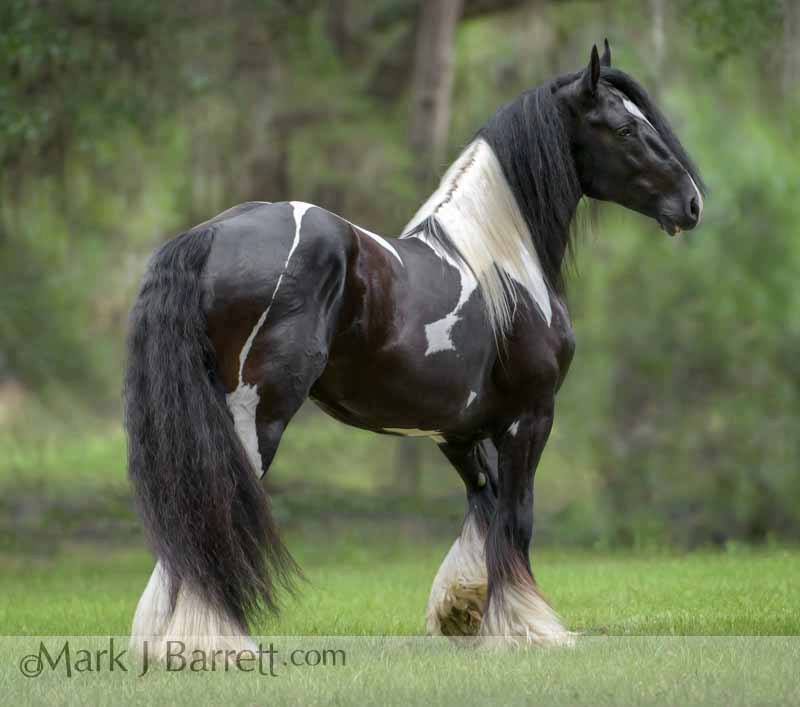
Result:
x=122 y=124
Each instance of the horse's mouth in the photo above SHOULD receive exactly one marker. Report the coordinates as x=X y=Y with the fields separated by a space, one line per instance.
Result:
x=669 y=227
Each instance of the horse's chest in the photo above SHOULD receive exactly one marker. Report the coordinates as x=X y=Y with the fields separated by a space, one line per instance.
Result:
x=538 y=354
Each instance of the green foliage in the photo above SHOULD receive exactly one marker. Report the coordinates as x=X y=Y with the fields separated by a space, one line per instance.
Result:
x=56 y=62
x=733 y=27
x=124 y=123
x=704 y=392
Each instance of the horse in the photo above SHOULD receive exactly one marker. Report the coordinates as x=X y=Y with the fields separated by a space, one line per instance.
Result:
x=458 y=330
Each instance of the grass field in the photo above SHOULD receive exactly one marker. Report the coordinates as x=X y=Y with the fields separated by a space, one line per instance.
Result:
x=656 y=626
x=634 y=609
x=371 y=582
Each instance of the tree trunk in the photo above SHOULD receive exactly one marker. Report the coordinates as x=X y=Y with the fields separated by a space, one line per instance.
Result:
x=790 y=78
x=339 y=29
x=432 y=84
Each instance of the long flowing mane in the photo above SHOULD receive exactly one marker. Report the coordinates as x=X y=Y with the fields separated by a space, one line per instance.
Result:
x=531 y=142
x=506 y=205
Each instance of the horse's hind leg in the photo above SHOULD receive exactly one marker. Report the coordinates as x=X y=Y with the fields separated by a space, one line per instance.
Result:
x=459 y=591
x=281 y=366
x=277 y=375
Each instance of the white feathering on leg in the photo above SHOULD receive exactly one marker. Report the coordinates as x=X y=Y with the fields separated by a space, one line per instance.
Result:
x=458 y=593
x=518 y=616
x=153 y=610
x=194 y=623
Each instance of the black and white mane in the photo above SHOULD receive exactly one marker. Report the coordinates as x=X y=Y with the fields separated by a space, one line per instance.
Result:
x=521 y=195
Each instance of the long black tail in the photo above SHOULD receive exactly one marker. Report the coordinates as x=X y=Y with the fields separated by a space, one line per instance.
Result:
x=205 y=512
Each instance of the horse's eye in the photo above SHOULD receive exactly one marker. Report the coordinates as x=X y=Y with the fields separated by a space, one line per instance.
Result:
x=625 y=131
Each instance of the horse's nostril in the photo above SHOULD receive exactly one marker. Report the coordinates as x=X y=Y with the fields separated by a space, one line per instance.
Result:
x=694 y=207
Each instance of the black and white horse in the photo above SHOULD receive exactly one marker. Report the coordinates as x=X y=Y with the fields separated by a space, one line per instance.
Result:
x=458 y=331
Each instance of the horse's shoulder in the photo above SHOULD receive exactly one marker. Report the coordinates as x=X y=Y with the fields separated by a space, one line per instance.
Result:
x=537 y=353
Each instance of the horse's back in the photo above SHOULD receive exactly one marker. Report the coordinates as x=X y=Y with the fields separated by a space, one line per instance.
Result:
x=255 y=239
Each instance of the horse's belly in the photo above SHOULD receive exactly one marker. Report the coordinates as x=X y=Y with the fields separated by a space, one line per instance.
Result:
x=403 y=392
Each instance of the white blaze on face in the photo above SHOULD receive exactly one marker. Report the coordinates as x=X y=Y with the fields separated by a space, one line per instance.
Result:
x=633 y=109
x=699 y=200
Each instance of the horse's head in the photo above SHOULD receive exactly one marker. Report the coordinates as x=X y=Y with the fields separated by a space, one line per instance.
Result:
x=624 y=149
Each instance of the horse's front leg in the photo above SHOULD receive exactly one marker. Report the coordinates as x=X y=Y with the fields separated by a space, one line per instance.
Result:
x=459 y=590
x=516 y=611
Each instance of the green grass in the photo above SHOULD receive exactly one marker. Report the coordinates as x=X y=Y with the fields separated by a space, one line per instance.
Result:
x=731 y=671
x=657 y=627
x=373 y=581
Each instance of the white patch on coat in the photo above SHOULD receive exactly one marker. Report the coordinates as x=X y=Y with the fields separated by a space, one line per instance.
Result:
x=476 y=207
x=299 y=209
x=514 y=428
x=193 y=622
x=243 y=401
x=435 y=435
x=633 y=109
x=471 y=398
x=438 y=333
x=459 y=590
x=380 y=240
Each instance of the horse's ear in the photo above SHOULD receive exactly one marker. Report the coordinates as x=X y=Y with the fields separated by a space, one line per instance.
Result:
x=605 y=60
x=592 y=74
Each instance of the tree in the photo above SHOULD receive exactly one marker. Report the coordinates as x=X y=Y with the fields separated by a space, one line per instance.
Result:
x=432 y=84
x=791 y=47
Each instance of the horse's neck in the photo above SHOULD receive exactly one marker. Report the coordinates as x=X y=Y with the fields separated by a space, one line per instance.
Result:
x=482 y=219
